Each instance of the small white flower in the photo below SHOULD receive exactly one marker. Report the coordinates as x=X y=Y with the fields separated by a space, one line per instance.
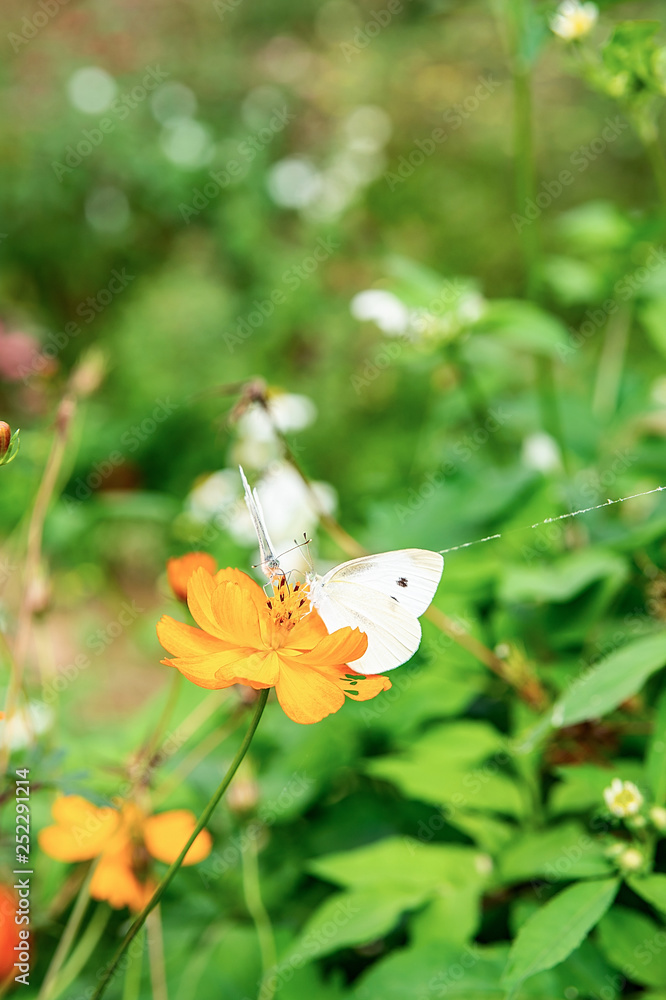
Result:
x=214 y=494
x=285 y=411
x=573 y=20
x=623 y=798
x=540 y=451
x=383 y=308
x=25 y=725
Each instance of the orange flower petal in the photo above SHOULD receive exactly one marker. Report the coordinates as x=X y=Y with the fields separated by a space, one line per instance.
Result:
x=180 y=639
x=82 y=830
x=307 y=632
x=199 y=594
x=114 y=881
x=199 y=677
x=180 y=570
x=236 y=612
x=305 y=694
x=229 y=667
x=367 y=685
x=341 y=646
x=166 y=834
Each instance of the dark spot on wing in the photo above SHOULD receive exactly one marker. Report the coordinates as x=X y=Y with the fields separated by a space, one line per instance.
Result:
x=402 y=582
x=393 y=598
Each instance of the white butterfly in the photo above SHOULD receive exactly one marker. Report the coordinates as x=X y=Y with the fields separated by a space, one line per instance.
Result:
x=383 y=595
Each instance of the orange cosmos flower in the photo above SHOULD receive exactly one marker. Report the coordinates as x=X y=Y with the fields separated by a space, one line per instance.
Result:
x=246 y=638
x=125 y=840
x=9 y=932
x=179 y=571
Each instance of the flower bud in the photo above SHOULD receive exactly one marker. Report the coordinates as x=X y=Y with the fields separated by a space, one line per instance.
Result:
x=179 y=571
x=243 y=795
x=5 y=437
x=658 y=817
x=631 y=860
x=9 y=443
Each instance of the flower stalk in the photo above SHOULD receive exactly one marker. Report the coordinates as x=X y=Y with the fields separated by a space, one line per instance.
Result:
x=174 y=868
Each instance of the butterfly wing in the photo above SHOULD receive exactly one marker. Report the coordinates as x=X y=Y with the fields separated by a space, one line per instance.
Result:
x=383 y=595
x=269 y=562
x=394 y=634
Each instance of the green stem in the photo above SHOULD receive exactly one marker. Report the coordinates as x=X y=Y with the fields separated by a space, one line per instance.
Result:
x=132 y=984
x=259 y=914
x=71 y=929
x=167 y=712
x=83 y=950
x=550 y=411
x=657 y=160
x=156 y=955
x=525 y=175
x=173 y=869
x=611 y=364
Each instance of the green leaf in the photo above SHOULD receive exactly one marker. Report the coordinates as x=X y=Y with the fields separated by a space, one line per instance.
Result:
x=354 y=918
x=561 y=580
x=630 y=51
x=562 y=853
x=404 y=863
x=653 y=317
x=603 y=687
x=434 y=969
x=439 y=768
x=455 y=913
x=582 y=785
x=548 y=937
x=490 y=833
x=655 y=761
x=634 y=944
x=652 y=888
x=524 y=326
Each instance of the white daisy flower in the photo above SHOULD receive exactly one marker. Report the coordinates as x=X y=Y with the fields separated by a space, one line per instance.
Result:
x=623 y=798
x=573 y=20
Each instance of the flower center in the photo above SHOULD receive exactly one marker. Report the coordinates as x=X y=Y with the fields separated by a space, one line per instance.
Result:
x=288 y=604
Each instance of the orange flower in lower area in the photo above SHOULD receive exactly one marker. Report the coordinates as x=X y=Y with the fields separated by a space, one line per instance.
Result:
x=246 y=638
x=179 y=571
x=9 y=932
x=125 y=840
